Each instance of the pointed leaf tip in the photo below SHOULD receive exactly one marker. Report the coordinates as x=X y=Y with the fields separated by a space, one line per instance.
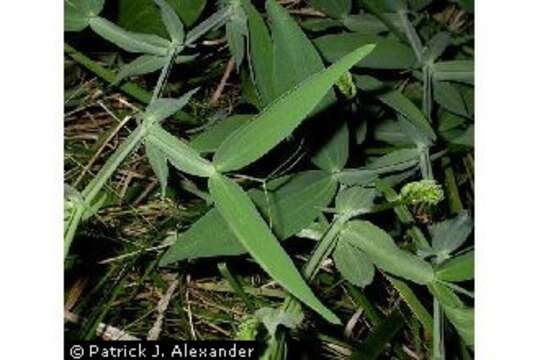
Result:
x=252 y=231
x=282 y=116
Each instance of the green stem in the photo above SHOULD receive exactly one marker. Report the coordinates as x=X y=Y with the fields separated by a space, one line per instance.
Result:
x=438 y=352
x=438 y=344
x=427 y=100
x=94 y=187
x=425 y=164
x=113 y=162
x=163 y=76
x=418 y=49
x=277 y=347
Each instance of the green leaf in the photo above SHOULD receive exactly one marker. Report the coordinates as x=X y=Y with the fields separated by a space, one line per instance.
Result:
x=448 y=96
x=459 y=268
x=453 y=128
x=410 y=31
x=320 y=24
x=455 y=70
x=290 y=204
x=355 y=200
x=281 y=117
x=315 y=231
x=334 y=8
x=189 y=10
x=388 y=54
x=77 y=13
x=144 y=16
x=210 y=140
x=153 y=39
x=250 y=229
x=158 y=162
x=212 y=22
x=467 y=93
x=250 y=93
x=161 y=109
x=445 y=296
x=261 y=55
x=368 y=24
x=397 y=101
x=172 y=23
x=236 y=32
x=236 y=40
x=466 y=138
x=207 y=237
x=463 y=321
x=334 y=153
x=180 y=154
x=449 y=121
x=295 y=57
x=436 y=46
x=131 y=42
x=461 y=317
x=353 y=264
x=449 y=235
x=140 y=16
x=412 y=301
x=144 y=64
x=384 y=253
x=397 y=160
x=360 y=177
x=389 y=131
x=413 y=133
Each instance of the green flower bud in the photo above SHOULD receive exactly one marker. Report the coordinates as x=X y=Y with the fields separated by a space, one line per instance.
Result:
x=422 y=192
x=346 y=85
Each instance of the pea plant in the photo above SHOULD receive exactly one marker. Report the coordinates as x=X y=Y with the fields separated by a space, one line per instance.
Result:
x=353 y=140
